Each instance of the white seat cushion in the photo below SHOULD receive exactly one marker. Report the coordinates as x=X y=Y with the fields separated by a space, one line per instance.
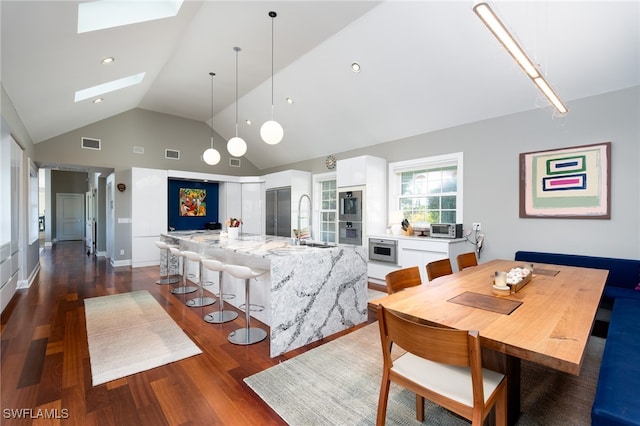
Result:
x=450 y=381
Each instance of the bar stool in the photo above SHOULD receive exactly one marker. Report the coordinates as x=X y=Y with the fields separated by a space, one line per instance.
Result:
x=184 y=288
x=246 y=335
x=200 y=300
x=221 y=315
x=166 y=279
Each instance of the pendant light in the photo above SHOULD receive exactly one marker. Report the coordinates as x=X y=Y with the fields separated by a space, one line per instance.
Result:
x=236 y=145
x=271 y=131
x=211 y=156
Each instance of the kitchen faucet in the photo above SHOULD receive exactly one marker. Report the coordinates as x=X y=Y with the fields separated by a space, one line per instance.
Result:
x=299 y=207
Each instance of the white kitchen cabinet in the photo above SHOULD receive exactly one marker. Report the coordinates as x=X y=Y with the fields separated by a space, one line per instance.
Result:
x=362 y=170
x=253 y=208
x=148 y=192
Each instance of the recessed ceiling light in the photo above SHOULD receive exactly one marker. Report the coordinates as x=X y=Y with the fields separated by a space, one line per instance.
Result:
x=108 y=60
x=248 y=122
x=98 y=15
x=289 y=100
x=98 y=100
x=355 y=67
x=101 y=89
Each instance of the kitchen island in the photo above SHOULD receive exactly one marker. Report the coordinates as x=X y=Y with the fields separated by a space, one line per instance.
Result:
x=308 y=293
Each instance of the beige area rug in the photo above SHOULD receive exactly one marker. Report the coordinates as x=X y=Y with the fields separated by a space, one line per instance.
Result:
x=338 y=384
x=129 y=333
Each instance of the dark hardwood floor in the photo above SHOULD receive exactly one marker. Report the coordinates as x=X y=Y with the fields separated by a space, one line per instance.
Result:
x=45 y=368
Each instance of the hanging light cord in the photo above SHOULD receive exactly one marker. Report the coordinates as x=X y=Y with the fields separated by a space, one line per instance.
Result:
x=237 y=49
x=273 y=17
x=212 y=74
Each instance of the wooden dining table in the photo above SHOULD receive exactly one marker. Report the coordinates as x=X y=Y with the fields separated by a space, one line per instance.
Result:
x=548 y=321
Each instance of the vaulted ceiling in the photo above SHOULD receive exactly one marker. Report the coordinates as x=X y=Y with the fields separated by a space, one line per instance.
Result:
x=425 y=65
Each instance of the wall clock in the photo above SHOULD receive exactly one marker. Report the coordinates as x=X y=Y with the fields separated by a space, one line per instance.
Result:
x=330 y=162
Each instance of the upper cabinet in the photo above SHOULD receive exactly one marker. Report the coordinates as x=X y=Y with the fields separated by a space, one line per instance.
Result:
x=361 y=170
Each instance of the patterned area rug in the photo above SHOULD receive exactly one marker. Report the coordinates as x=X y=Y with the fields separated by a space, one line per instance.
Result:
x=129 y=333
x=338 y=384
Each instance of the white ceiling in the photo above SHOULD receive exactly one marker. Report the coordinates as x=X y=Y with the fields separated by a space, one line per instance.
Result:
x=426 y=65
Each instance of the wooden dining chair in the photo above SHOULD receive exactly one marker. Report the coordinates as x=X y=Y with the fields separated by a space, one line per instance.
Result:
x=441 y=364
x=402 y=278
x=438 y=268
x=466 y=260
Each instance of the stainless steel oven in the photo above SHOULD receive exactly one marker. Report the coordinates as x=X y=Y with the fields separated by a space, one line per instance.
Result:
x=383 y=250
x=350 y=206
x=350 y=233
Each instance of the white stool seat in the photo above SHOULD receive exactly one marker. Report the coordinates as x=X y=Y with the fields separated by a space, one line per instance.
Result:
x=220 y=315
x=166 y=279
x=200 y=300
x=184 y=288
x=246 y=335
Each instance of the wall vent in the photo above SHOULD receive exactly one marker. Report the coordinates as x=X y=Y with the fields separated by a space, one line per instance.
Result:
x=90 y=143
x=172 y=154
x=234 y=162
x=138 y=149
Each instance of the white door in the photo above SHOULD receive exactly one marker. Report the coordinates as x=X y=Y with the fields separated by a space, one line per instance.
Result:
x=70 y=223
x=89 y=222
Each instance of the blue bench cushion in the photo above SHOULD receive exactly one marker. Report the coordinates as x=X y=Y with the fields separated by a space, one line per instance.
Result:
x=616 y=400
x=624 y=274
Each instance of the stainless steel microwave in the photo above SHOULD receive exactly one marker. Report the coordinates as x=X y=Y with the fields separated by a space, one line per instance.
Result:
x=446 y=230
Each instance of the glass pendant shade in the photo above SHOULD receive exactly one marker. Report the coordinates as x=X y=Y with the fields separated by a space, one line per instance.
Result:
x=237 y=146
x=211 y=156
x=271 y=132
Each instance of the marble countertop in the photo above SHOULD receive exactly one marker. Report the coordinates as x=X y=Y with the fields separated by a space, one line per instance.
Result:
x=250 y=244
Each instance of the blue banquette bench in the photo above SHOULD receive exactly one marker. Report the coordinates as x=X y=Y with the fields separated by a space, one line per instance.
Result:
x=616 y=402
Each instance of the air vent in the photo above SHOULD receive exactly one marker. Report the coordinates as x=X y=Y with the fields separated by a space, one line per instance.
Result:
x=172 y=154
x=138 y=149
x=234 y=162
x=90 y=143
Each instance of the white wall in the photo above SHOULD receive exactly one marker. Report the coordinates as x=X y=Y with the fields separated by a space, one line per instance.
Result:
x=491 y=188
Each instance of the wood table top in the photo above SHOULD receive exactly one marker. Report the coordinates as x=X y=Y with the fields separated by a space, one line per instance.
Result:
x=551 y=326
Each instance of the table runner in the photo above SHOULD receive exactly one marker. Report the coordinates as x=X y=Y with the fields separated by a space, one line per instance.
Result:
x=488 y=303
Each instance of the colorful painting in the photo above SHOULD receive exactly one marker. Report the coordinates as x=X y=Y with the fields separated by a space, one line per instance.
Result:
x=566 y=183
x=192 y=202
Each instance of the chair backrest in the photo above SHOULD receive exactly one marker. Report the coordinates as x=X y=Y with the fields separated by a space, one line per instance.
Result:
x=466 y=260
x=438 y=268
x=448 y=346
x=403 y=278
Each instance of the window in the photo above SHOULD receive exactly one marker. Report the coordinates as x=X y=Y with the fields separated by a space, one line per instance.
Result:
x=427 y=189
x=326 y=193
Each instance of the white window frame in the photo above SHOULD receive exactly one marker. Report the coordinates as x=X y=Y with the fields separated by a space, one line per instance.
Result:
x=317 y=201
x=396 y=168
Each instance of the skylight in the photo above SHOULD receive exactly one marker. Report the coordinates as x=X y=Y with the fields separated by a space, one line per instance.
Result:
x=108 y=87
x=98 y=15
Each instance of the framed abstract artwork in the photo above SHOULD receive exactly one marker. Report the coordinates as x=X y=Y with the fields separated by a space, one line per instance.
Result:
x=192 y=202
x=570 y=183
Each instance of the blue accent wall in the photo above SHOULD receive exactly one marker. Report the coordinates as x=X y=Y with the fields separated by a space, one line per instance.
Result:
x=181 y=223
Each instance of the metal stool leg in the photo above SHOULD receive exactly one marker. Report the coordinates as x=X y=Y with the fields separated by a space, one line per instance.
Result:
x=247 y=335
x=183 y=289
x=201 y=300
x=221 y=315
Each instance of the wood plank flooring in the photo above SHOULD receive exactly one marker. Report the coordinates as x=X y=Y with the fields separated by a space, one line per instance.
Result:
x=45 y=369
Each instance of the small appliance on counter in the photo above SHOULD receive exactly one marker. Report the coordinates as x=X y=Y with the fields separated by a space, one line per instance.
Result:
x=446 y=230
